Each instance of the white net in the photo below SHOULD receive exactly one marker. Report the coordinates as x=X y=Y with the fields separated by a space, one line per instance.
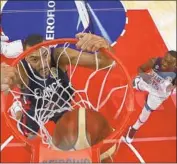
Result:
x=102 y=89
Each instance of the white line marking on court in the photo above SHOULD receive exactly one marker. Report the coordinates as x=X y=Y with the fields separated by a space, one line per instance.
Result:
x=126 y=20
x=100 y=26
x=6 y=142
x=16 y=145
x=2 y=4
x=134 y=151
x=154 y=139
x=124 y=6
x=113 y=44
x=150 y=139
x=83 y=13
x=123 y=32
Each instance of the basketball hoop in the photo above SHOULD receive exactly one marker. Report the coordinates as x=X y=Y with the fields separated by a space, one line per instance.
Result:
x=106 y=90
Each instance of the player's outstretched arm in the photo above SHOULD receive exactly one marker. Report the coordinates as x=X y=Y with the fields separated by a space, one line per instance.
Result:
x=86 y=42
x=10 y=77
x=146 y=66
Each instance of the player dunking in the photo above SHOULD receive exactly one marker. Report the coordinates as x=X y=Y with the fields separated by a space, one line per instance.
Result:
x=41 y=65
x=158 y=77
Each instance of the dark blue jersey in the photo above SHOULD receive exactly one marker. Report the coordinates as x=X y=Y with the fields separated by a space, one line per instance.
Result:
x=53 y=92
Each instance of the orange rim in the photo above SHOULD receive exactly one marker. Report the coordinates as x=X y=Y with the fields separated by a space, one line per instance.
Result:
x=114 y=135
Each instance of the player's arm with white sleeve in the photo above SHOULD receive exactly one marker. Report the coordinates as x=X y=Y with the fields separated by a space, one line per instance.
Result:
x=11 y=49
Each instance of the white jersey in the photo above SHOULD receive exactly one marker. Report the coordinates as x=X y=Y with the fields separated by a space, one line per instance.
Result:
x=11 y=49
x=159 y=82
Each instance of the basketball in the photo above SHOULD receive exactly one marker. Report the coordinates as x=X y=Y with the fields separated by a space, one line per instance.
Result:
x=80 y=129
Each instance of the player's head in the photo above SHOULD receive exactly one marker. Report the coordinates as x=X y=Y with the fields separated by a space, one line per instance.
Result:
x=169 y=60
x=39 y=59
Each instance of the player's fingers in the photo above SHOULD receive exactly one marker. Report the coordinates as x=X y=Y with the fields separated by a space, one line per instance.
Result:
x=6 y=68
x=9 y=81
x=10 y=73
x=91 y=41
x=99 y=43
x=88 y=48
x=6 y=82
x=83 y=42
x=80 y=35
x=4 y=64
x=96 y=47
x=102 y=43
x=96 y=44
x=86 y=45
x=4 y=87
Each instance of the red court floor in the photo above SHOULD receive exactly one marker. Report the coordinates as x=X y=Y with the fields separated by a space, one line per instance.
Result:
x=156 y=140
